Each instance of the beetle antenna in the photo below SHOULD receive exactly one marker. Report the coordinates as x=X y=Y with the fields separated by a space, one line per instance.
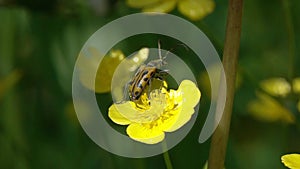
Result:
x=172 y=49
x=159 y=51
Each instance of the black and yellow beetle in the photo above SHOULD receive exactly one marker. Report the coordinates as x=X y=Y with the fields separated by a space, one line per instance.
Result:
x=144 y=75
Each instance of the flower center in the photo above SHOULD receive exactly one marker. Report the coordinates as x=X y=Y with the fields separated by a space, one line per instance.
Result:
x=153 y=108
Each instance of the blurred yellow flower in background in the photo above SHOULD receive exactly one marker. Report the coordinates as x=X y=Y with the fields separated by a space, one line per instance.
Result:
x=291 y=161
x=163 y=111
x=276 y=86
x=193 y=9
x=296 y=85
x=266 y=107
x=106 y=69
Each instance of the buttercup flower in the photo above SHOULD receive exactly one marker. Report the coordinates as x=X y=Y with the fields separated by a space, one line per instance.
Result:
x=193 y=9
x=106 y=69
x=296 y=85
x=276 y=86
x=291 y=161
x=268 y=107
x=163 y=111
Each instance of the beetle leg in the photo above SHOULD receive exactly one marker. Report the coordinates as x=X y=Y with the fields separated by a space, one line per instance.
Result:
x=125 y=92
x=149 y=88
x=162 y=74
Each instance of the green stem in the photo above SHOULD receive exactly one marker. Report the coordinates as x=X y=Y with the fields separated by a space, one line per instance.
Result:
x=230 y=60
x=291 y=38
x=167 y=156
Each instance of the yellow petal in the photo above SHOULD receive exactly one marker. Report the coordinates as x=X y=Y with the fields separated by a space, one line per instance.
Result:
x=291 y=160
x=130 y=111
x=105 y=69
x=132 y=63
x=266 y=108
x=140 y=3
x=190 y=98
x=196 y=9
x=190 y=93
x=145 y=134
x=116 y=116
x=164 y=6
x=296 y=85
x=169 y=122
x=276 y=86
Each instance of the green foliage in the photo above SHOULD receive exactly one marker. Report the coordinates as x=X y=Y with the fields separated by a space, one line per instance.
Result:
x=41 y=41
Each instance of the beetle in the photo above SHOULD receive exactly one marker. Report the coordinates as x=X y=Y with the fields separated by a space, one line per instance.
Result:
x=144 y=75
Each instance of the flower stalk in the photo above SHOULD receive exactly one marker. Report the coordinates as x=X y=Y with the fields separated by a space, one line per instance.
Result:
x=230 y=59
x=166 y=155
x=291 y=38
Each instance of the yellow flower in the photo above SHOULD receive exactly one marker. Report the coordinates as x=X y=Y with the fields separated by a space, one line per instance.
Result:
x=276 y=86
x=267 y=108
x=296 y=85
x=193 y=9
x=196 y=9
x=106 y=69
x=291 y=161
x=164 y=111
x=280 y=86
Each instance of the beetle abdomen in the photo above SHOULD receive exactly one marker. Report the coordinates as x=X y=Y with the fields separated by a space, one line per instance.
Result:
x=140 y=81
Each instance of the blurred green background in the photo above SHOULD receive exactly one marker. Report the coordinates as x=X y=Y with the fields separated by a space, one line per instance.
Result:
x=39 y=44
